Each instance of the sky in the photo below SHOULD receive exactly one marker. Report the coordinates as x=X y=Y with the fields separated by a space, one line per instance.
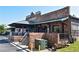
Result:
x=9 y=14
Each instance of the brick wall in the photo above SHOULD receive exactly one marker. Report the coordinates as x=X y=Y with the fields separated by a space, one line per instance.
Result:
x=67 y=26
x=64 y=12
x=51 y=37
x=16 y=38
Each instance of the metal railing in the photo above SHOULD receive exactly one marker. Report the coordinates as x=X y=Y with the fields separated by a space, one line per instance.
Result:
x=18 y=33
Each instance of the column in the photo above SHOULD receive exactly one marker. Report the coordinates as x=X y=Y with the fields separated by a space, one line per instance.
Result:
x=48 y=29
x=62 y=27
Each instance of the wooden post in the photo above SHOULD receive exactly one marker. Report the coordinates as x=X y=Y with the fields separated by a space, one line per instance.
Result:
x=58 y=38
x=31 y=47
x=62 y=27
x=48 y=29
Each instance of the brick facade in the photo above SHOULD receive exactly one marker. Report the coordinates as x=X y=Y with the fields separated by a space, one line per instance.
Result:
x=51 y=37
x=64 y=12
x=16 y=38
x=56 y=14
x=67 y=26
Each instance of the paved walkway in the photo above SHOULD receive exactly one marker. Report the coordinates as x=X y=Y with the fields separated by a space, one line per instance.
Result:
x=5 y=46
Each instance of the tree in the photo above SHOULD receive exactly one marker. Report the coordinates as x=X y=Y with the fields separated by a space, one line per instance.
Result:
x=2 y=28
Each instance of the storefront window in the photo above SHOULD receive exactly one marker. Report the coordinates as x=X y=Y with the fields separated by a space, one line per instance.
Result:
x=57 y=29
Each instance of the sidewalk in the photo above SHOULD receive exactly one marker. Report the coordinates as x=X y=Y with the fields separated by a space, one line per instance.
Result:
x=24 y=48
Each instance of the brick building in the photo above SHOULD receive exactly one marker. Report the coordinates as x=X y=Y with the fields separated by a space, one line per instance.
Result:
x=59 y=21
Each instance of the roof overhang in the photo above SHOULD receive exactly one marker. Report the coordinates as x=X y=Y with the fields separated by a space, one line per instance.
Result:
x=52 y=20
x=24 y=22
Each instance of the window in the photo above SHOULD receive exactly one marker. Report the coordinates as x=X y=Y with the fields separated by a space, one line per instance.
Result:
x=74 y=29
x=57 y=29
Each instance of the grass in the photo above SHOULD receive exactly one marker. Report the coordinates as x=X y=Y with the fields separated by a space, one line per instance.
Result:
x=74 y=47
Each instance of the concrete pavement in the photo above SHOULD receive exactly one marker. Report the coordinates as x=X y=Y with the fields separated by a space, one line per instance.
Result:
x=5 y=46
